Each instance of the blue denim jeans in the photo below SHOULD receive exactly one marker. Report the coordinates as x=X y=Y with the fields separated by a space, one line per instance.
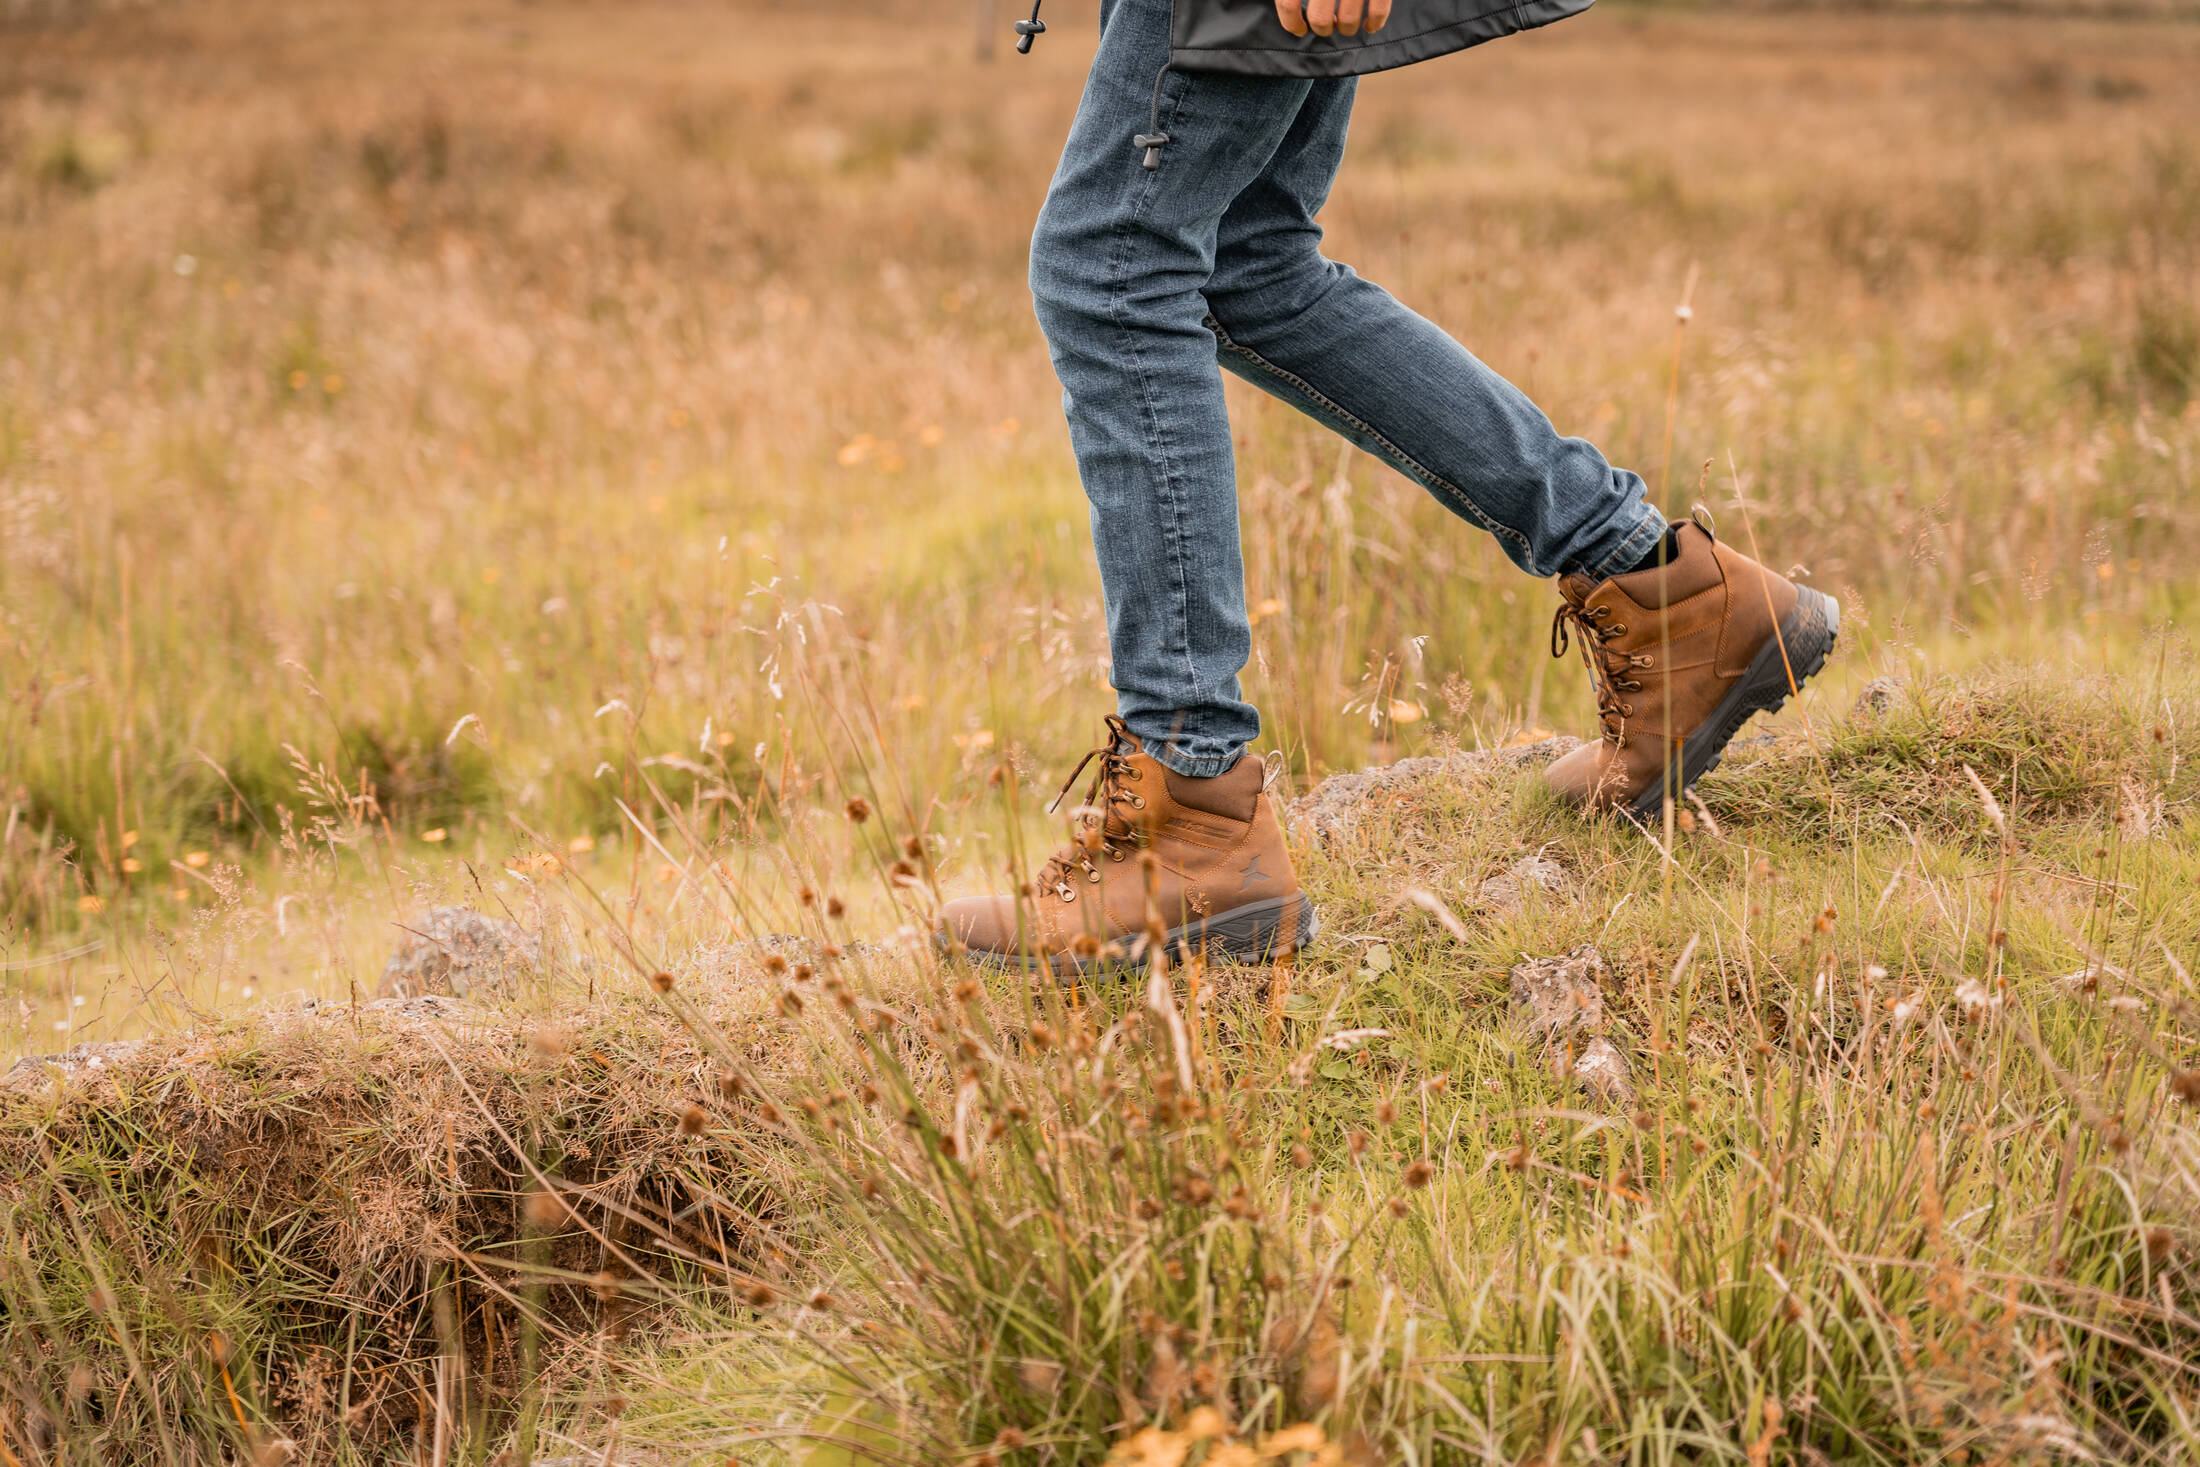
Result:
x=1144 y=280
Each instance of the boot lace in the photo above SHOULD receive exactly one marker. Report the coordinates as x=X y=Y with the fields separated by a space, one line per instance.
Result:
x=1103 y=826
x=1609 y=668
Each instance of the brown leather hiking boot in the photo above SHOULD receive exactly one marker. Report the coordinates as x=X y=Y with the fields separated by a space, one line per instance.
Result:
x=1682 y=655
x=1218 y=876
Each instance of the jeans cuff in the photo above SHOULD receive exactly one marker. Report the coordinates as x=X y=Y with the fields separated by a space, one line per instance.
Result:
x=1633 y=548
x=1174 y=757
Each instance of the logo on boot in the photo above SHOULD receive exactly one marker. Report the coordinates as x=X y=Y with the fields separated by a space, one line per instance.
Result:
x=1252 y=873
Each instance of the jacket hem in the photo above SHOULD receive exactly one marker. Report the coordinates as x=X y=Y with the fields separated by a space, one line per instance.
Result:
x=1315 y=57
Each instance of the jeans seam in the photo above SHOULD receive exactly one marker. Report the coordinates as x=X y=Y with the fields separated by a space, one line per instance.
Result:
x=1413 y=467
x=1157 y=434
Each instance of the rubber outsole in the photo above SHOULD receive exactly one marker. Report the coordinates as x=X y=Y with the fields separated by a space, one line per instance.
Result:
x=1806 y=639
x=1248 y=934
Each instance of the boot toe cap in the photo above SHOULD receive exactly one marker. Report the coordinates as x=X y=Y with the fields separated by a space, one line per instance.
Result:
x=982 y=924
x=1591 y=777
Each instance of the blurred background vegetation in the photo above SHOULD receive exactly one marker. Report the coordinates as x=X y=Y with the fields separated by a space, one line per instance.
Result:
x=423 y=428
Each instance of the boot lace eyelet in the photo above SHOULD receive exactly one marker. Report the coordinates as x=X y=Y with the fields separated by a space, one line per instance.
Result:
x=1092 y=873
x=1115 y=853
x=1138 y=802
x=1066 y=892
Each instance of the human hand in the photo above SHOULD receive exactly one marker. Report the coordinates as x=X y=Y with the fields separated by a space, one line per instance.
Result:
x=1344 y=17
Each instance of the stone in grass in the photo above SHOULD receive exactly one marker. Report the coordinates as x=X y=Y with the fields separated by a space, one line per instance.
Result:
x=1557 y=996
x=1561 y=1002
x=457 y=951
x=1876 y=697
x=1507 y=891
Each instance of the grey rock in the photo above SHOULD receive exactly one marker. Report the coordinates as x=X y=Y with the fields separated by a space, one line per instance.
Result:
x=78 y=1060
x=1562 y=995
x=457 y=951
x=1561 y=1002
x=1333 y=807
x=1602 y=1071
x=1507 y=891
x=1877 y=696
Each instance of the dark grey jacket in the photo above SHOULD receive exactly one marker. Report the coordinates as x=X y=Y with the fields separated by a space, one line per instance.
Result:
x=1244 y=36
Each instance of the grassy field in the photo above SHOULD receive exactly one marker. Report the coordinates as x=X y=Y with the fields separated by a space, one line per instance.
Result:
x=553 y=457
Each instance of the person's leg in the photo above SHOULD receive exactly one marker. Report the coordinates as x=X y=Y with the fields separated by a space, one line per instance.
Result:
x=1681 y=651
x=1119 y=263
x=1343 y=350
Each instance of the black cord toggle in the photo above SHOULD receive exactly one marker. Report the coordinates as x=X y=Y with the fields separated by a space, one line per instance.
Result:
x=1030 y=30
x=1153 y=139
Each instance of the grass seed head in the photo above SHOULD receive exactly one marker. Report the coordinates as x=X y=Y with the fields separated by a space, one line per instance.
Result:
x=692 y=1120
x=661 y=981
x=859 y=809
x=1419 y=1174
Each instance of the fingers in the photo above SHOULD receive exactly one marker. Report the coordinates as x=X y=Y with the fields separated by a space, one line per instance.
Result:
x=1348 y=16
x=1378 y=14
x=1321 y=15
x=1292 y=14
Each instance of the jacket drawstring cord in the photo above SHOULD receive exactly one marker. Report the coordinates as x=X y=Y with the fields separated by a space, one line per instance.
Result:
x=1030 y=30
x=1153 y=140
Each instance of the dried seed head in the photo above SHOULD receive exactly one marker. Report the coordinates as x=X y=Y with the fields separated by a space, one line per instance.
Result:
x=2161 y=1243
x=859 y=809
x=544 y=1210
x=774 y=964
x=1301 y=1157
x=821 y=1301
x=969 y=991
x=731 y=1085
x=803 y=972
x=1042 y=1035
x=791 y=1002
x=1399 y=1207
x=661 y=981
x=1356 y=1142
x=1009 y=1439
x=549 y=1042
x=2185 y=1085
x=762 y=1295
x=692 y=1120
x=1085 y=945
x=1386 y=1113
x=1040 y=1377
x=912 y=846
x=834 y=907
x=1149 y=1208
x=807 y=897
x=1419 y=1174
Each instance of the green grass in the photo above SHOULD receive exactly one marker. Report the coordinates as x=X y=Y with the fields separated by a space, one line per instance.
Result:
x=1906 y=1176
